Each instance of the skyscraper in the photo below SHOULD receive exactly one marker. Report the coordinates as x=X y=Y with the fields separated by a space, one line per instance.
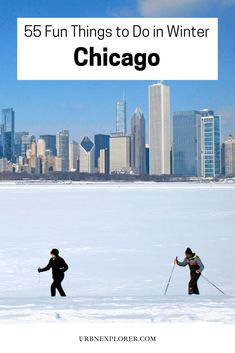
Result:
x=217 y=142
x=229 y=145
x=210 y=158
x=147 y=158
x=34 y=148
x=8 y=135
x=196 y=143
x=62 y=148
x=1 y=140
x=185 y=153
x=50 y=141
x=121 y=117
x=138 y=142
x=223 y=159
x=159 y=129
x=58 y=165
x=87 y=156
x=101 y=142
x=119 y=153
x=3 y=165
x=103 y=162
x=73 y=156
x=41 y=148
x=18 y=142
x=34 y=161
x=26 y=141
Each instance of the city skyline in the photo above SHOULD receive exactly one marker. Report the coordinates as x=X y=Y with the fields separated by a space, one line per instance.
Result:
x=77 y=132
x=80 y=106
x=101 y=129
x=196 y=149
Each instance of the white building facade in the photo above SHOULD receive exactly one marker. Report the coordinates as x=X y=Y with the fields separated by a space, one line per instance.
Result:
x=159 y=129
x=119 y=153
x=87 y=156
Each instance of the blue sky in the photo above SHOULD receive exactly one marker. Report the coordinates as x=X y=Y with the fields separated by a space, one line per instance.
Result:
x=88 y=107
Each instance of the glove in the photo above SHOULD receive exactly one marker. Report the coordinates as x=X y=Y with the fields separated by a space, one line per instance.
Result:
x=176 y=260
x=39 y=270
x=198 y=271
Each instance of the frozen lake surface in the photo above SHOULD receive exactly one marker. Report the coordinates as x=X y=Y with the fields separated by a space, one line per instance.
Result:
x=119 y=241
x=171 y=309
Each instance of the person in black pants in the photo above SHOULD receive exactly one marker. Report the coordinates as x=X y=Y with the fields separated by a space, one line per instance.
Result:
x=196 y=267
x=58 y=266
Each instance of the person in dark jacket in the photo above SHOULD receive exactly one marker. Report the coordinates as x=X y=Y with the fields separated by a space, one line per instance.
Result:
x=58 y=266
x=196 y=267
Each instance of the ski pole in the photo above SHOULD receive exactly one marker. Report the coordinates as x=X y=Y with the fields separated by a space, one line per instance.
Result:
x=169 y=279
x=212 y=283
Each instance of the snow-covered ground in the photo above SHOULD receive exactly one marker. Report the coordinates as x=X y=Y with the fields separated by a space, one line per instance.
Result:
x=158 y=309
x=119 y=241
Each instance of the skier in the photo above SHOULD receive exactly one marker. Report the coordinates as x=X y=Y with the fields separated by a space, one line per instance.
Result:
x=196 y=267
x=58 y=266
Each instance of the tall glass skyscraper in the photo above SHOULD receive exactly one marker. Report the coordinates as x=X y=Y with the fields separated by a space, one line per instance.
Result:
x=50 y=141
x=138 y=142
x=121 y=117
x=8 y=134
x=185 y=154
x=18 y=142
x=62 y=147
x=159 y=129
x=210 y=144
x=101 y=143
x=196 y=143
x=217 y=141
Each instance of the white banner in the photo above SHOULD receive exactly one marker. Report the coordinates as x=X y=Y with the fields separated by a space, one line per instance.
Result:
x=117 y=49
x=116 y=338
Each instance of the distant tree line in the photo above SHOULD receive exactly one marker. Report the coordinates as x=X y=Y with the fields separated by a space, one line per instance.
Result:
x=76 y=176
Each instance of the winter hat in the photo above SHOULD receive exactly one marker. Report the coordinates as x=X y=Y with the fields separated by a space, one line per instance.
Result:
x=55 y=252
x=188 y=251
